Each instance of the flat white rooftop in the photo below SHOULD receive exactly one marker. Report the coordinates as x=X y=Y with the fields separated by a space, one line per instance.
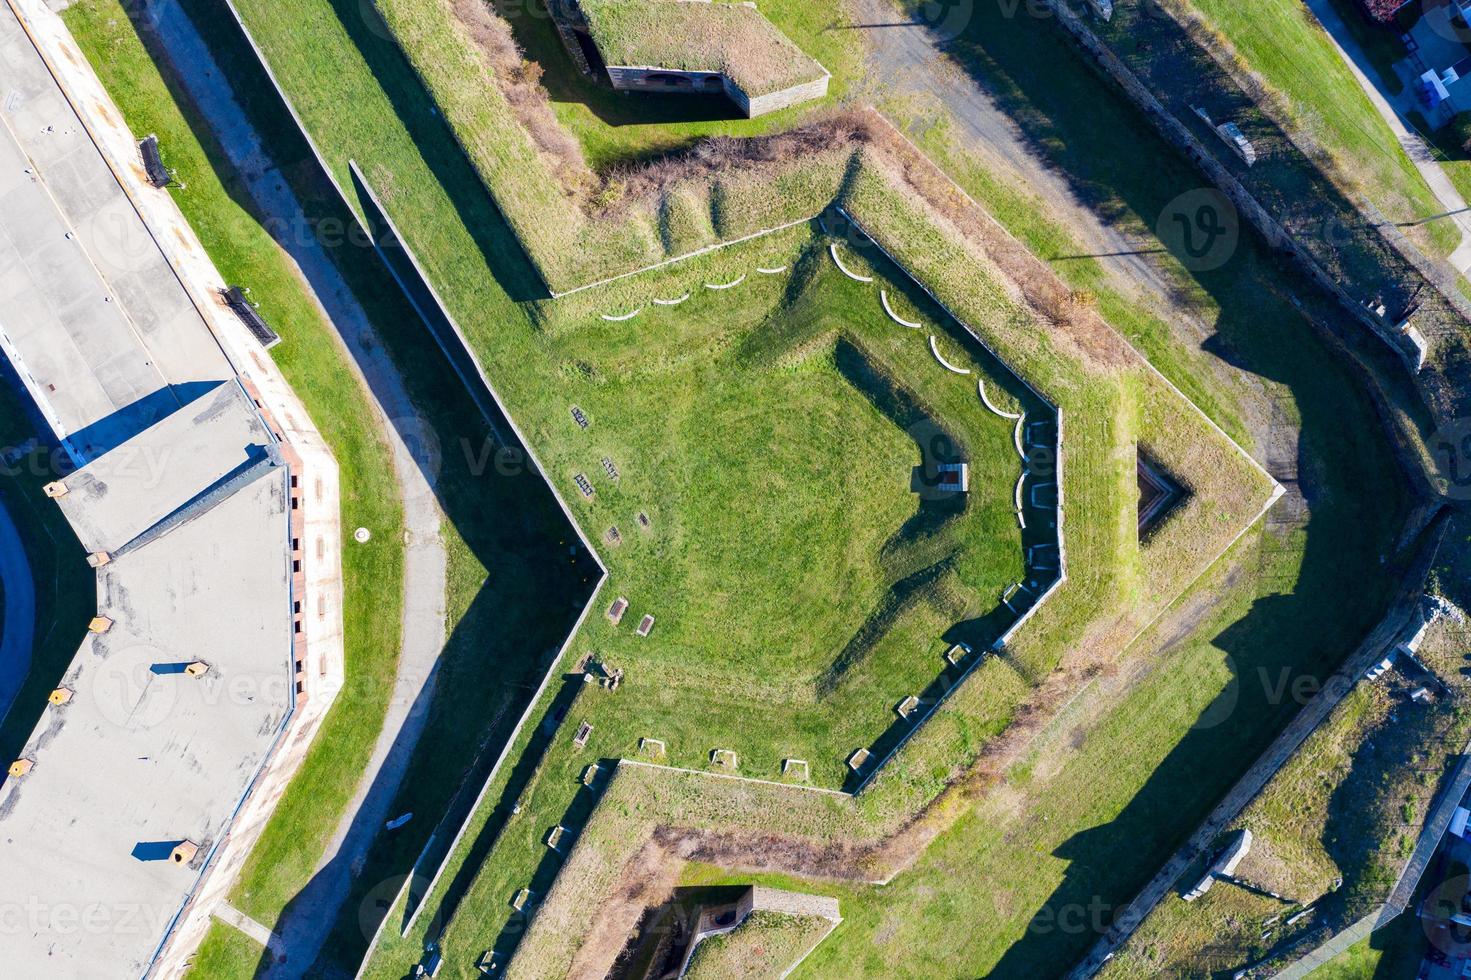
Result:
x=181 y=482
x=91 y=314
x=120 y=495
x=145 y=755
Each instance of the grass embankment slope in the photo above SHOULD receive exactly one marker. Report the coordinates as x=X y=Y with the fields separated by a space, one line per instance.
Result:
x=731 y=38
x=1309 y=83
x=415 y=175
x=1334 y=827
x=1102 y=385
x=568 y=244
x=1175 y=64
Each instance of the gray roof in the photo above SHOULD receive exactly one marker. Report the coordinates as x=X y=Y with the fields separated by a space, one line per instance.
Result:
x=184 y=487
x=144 y=755
x=120 y=495
x=101 y=329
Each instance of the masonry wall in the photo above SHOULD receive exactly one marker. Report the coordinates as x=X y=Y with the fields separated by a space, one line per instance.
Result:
x=797 y=94
x=639 y=78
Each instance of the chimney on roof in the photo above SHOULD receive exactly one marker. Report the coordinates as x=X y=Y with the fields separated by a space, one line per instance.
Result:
x=60 y=696
x=183 y=852
x=20 y=767
x=197 y=669
x=55 y=489
x=99 y=624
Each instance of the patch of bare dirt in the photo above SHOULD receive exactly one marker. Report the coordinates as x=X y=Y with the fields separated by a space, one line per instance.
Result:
x=520 y=81
x=647 y=880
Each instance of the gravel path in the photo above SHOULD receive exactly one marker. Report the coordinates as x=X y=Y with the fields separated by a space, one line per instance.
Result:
x=908 y=55
x=312 y=914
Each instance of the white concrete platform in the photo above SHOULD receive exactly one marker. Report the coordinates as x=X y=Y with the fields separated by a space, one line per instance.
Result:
x=91 y=313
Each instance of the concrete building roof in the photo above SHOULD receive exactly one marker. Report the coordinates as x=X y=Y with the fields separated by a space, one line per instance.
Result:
x=733 y=39
x=144 y=755
x=182 y=482
x=91 y=313
x=122 y=494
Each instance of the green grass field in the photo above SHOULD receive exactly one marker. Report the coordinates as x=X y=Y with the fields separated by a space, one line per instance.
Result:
x=1282 y=42
x=549 y=795
x=1121 y=771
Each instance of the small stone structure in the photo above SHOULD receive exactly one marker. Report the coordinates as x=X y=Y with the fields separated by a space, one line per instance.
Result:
x=681 y=46
x=1223 y=865
x=1231 y=135
x=719 y=919
x=725 y=758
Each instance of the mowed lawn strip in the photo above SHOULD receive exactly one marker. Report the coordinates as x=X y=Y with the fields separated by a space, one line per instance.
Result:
x=312 y=360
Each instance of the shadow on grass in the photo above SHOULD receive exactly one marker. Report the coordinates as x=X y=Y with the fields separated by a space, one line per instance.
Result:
x=517 y=537
x=531 y=25
x=1112 y=158
x=436 y=143
x=1283 y=637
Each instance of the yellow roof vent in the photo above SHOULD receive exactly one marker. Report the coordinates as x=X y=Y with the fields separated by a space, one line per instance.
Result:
x=183 y=852
x=20 y=767
x=99 y=624
x=60 y=696
x=56 y=489
x=197 y=669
